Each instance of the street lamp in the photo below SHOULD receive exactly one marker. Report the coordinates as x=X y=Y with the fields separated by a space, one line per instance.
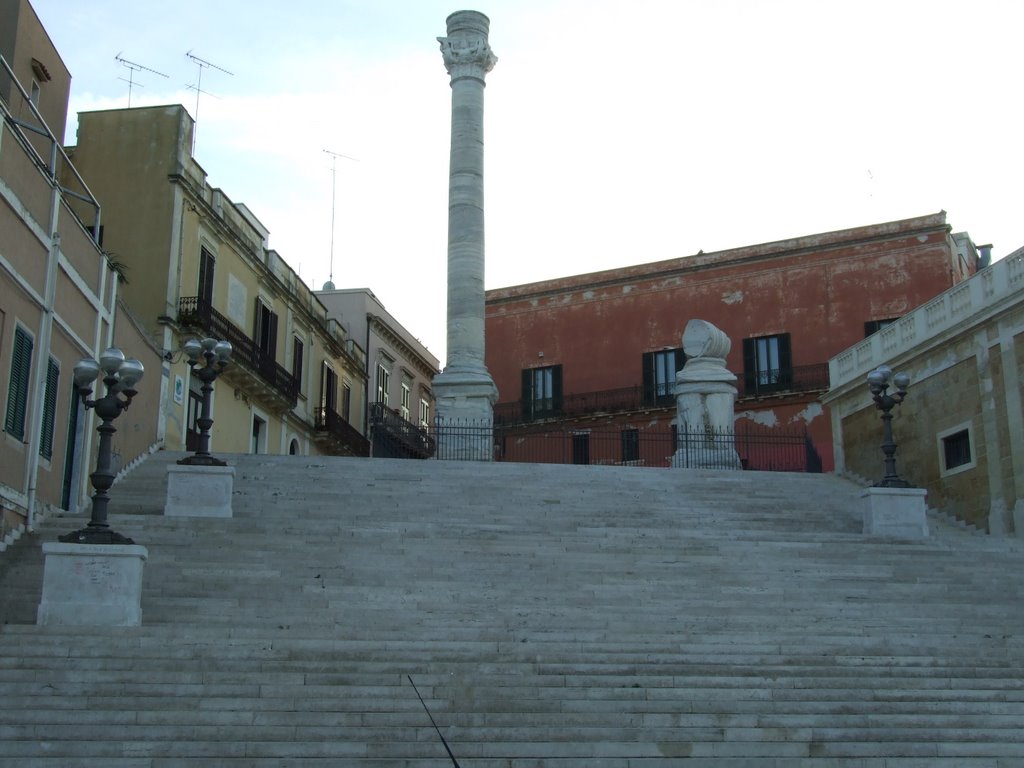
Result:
x=120 y=377
x=878 y=383
x=215 y=356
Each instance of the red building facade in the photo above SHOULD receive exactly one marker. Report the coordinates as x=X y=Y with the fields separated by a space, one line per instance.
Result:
x=600 y=351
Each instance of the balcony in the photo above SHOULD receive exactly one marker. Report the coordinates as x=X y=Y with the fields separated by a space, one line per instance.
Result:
x=337 y=436
x=784 y=381
x=797 y=380
x=252 y=368
x=395 y=438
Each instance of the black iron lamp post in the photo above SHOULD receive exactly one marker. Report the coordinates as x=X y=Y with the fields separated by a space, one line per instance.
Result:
x=878 y=383
x=215 y=356
x=120 y=377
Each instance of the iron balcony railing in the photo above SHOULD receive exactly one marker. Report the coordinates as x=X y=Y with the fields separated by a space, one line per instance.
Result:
x=806 y=378
x=393 y=437
x=326 y=421
x=198 y=313
x=800 y=378
x=776 y=449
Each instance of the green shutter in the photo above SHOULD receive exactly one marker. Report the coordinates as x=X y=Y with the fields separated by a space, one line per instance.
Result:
x=49 y=410
x=17 y=391
x=749 y=367
x=647 y=365
x=785 y=361
x=527 y=390
x=556 y=389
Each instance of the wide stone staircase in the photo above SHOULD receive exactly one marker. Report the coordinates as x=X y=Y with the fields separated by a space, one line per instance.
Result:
x=597 y=617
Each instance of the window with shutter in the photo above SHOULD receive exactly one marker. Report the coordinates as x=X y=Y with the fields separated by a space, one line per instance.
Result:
x=266 y=332
x=206 y=268
x=767 y=364
x=542 y=392
x=17 y=389
x=49 y=409
x=297 y=351
x=659 y=375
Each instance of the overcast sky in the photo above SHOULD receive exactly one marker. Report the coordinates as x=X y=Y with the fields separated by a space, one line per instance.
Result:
x=616 y=133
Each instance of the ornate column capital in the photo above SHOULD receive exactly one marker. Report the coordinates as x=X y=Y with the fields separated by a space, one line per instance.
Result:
x=465 y=50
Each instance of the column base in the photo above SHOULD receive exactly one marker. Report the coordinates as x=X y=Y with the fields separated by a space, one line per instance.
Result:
x=92 y=585
x=895 y=512
x=199 y=491
x=707 y=458
x=465 y=415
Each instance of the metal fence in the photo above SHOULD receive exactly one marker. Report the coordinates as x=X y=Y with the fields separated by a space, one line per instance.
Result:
x=748 y=446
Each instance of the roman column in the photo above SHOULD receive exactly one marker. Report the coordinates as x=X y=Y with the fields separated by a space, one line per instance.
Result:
x=465 y=391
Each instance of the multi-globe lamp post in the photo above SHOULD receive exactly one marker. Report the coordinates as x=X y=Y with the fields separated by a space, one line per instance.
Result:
x=120 y=376
x=878 y=383
x=215 y=356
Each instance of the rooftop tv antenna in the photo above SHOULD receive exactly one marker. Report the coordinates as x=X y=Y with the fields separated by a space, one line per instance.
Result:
x=132 y=68
x=329 y=286
x=202 y=64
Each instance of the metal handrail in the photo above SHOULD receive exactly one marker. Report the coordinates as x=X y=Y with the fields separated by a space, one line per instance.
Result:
x=55 y=148
x=328 y=420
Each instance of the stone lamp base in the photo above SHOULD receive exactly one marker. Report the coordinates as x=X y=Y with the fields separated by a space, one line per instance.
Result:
x=199 y=491
x=895 y=512
x=92 y=585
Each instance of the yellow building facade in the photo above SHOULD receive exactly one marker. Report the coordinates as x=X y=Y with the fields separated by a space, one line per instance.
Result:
x=58 y=294
x=198 y=264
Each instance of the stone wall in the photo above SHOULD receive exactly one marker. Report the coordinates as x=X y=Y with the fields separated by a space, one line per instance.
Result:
x=965 y=376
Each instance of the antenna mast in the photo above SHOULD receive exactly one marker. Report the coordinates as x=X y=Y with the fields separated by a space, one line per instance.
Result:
x=132 y=68
x=202 y=64
x=334 y=178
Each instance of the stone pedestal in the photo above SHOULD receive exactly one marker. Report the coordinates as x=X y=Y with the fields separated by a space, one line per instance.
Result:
x=465 y=391
x=705 y=401
x=197 y=491
x=702 y=442
x=92 y=585
x=895 y=512
x=465 y=418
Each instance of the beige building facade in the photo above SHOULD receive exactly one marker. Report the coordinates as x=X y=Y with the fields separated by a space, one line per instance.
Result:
x=198 y=264
x=58 y=294
x=400 y=370
x=960 y=430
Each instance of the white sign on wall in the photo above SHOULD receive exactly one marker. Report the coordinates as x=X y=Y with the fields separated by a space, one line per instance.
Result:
x=238 y=298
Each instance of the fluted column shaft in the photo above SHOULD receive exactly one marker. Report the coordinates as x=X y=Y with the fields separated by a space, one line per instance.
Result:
x=468 y=59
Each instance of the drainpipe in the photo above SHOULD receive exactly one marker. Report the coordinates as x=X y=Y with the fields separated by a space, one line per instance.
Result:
x=45 y=336
x=366 y=382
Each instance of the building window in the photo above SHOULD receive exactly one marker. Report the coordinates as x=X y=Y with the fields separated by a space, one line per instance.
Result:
x=17 y=388
x=266 y=332
x=328 y=388
x=874 y=326
x=767 y=364
x=630 y=445
x=659 y=375
x=205 y=289
x=542 y=392
x=581 y=448
x=194 y=413
x=259 y=435
x=34 y=94
x=956 y=450
x=424 y=413
x=297 y=350
x=49 y=409
x=383 y=384
x=346 y=402
x=406 y=398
